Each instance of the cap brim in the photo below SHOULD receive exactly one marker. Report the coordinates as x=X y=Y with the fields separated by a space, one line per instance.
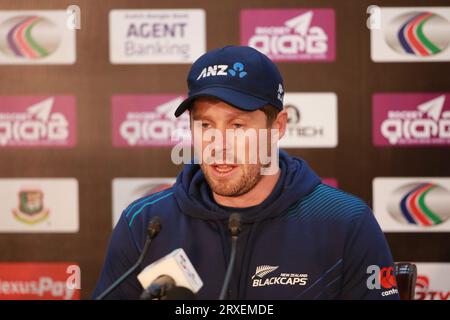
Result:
x=235 y=98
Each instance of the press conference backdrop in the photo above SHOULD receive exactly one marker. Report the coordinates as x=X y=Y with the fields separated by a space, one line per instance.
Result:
x=86 y=119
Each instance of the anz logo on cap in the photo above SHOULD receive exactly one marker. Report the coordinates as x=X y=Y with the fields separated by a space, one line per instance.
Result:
x=237 y=70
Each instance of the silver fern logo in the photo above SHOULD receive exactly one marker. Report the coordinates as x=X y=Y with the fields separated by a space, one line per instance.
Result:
x=259 y=279
x=264 y=270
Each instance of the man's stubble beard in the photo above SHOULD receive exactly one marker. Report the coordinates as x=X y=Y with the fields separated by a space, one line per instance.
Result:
x=246 y=181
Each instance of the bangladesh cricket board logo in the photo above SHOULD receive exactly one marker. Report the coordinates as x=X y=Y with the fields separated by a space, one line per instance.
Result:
x=31 y=208
x=423 y=204
x=421 y=34
x=29 y=37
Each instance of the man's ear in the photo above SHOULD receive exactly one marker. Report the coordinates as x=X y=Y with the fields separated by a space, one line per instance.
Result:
x=190 y=119
x=280 y=123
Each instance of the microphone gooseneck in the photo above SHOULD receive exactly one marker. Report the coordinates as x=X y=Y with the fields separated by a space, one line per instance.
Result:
x=234 y=225
x=153 y=229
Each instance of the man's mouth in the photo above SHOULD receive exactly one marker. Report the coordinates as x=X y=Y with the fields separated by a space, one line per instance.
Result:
x=223 y=169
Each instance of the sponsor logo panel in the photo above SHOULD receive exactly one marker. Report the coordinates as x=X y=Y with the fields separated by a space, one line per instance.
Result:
x=39 y=281
x=36 y=37
x=148 y=120
x=36 y=121
x=433 y=282
x=411 y=119
x=39 y=205
x=312 y=120
x=412 y=204
x=156 y=36
x=412 y=34
x=304 y=34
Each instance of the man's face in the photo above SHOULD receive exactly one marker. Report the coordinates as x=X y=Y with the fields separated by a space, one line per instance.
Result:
x=240 y=176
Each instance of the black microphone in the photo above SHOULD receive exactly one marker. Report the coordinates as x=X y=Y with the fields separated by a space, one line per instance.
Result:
x=234 y=225
x=164 y=288
x=180 y=293
x=159 y=288
x=406 y=275
x=153 y=229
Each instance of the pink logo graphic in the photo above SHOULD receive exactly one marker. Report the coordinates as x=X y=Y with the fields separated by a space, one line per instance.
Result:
x=290 y=34
x=148 y=120
x=332 y=182
x=31 y=121
x=411 y=119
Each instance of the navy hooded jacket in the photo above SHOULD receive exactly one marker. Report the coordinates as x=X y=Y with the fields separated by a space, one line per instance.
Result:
x=307 y=240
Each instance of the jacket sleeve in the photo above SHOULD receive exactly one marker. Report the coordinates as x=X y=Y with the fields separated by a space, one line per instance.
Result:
x=121 y=255
x=368 y=265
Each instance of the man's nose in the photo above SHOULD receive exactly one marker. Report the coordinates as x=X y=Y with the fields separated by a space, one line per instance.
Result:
x=222 y=147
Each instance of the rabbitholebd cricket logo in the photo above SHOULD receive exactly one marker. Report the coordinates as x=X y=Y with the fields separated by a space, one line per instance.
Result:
x=261 y=277
x=383 y=279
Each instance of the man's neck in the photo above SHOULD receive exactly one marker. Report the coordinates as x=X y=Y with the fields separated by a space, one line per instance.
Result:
x=254 y=197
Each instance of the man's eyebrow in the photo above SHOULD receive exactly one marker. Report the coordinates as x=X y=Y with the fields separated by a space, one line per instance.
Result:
x=195 y=115
x=229 y=118
x=201 y=117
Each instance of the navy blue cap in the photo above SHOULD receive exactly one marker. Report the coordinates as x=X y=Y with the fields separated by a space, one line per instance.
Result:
x=238 y=75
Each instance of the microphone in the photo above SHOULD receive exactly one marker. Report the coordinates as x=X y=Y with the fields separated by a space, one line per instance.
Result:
x=158 y=288
x=406 y=275
x=180 y=293
x=234 y=225
x=153 y=229
x=164 y=288
x=170 y=273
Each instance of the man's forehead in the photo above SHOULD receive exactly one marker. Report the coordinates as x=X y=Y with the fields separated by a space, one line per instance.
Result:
x=210 y=106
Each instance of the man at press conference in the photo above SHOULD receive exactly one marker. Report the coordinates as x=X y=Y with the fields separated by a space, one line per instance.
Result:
x=294 y=237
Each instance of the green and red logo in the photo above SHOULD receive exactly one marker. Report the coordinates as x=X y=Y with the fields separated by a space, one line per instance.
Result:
x=31 y=207
x=30 y=37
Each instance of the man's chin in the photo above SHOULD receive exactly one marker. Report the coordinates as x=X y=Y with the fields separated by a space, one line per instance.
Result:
x=224 y=193
x=221 y=186
x=228 y=183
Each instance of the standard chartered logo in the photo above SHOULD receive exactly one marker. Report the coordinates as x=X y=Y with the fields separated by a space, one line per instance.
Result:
x=264 y=277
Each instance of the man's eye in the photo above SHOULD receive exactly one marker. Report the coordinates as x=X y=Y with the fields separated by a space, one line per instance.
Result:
x=238 y=125
x=205 y=125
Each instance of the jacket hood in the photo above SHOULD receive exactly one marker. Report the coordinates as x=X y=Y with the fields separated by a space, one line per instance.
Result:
x=194 y=196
